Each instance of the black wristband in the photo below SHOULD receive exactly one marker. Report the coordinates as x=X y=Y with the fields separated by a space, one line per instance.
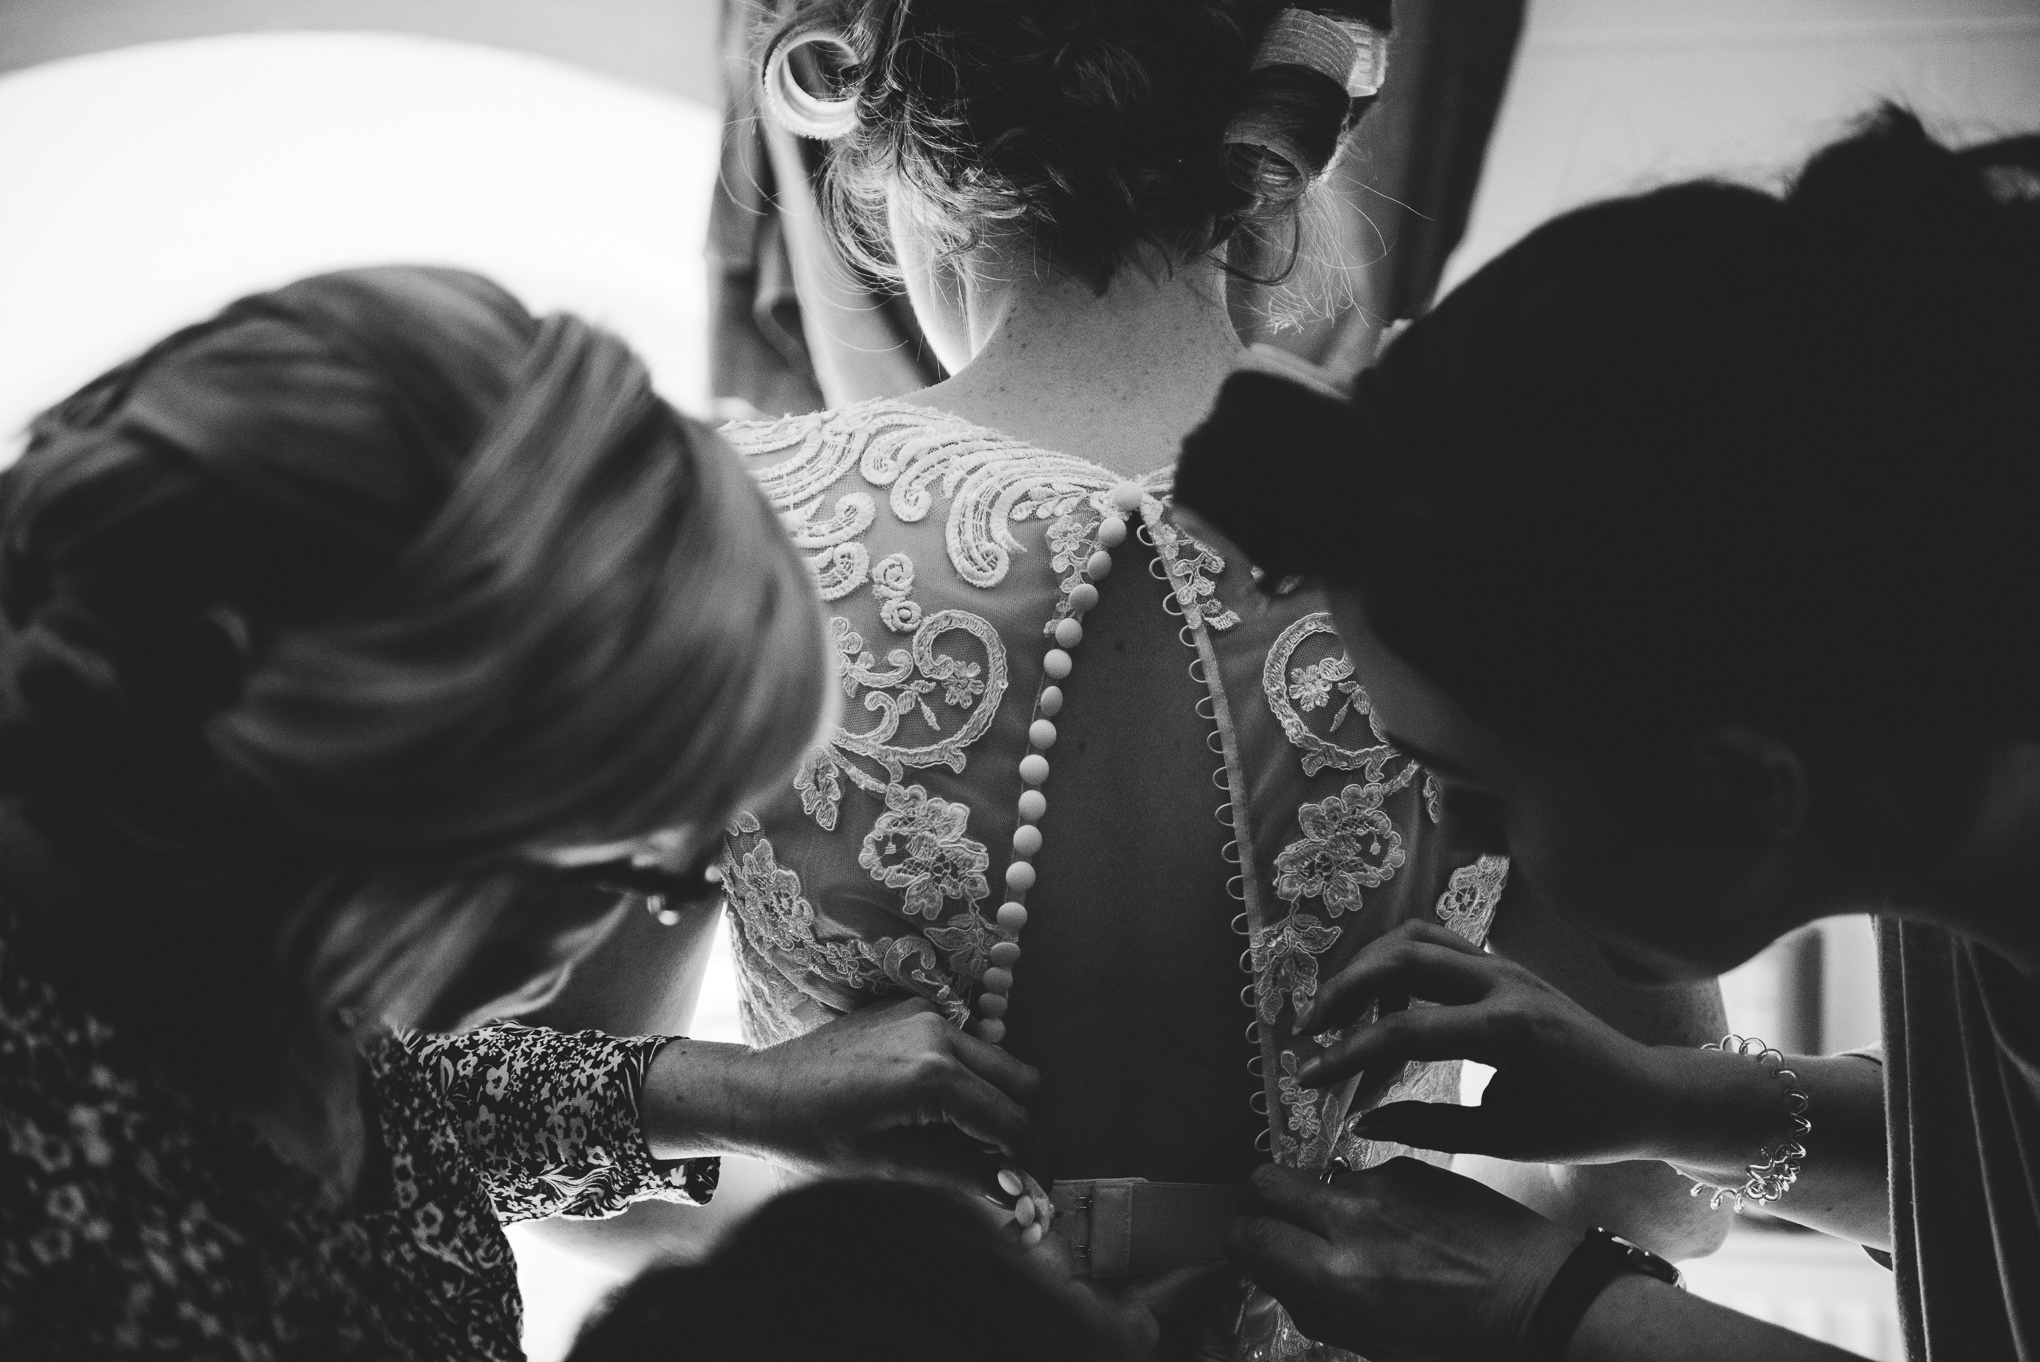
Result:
x=1600 y=1258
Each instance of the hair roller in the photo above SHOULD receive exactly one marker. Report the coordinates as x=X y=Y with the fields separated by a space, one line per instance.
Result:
x=1305 y=75
x=804 y=73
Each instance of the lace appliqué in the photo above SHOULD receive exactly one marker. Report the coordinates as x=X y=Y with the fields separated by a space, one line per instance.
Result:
x=776 y=917
x=1349 y=843
x=1308 y=689
x=1285 y=960
x=1468 y=904
x=915 y=455
x=1192 y=564
x=1308 y=1143
x=906 y=685
x=774 y=909
x=892 y=581
x=919 y=846
x=930 y=704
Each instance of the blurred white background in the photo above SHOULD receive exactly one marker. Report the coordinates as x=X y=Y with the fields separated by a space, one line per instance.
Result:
x=146 y=185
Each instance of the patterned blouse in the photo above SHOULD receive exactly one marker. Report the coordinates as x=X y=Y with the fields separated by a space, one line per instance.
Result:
x=136 y=1221
x=948 y=554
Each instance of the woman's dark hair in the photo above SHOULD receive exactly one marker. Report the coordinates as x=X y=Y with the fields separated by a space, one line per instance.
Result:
x=817 y=1273
x=1090 y=128
x=323 y=613
x=1703 y=454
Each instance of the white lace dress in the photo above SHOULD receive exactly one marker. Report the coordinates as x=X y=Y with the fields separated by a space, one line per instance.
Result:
x=947 y=554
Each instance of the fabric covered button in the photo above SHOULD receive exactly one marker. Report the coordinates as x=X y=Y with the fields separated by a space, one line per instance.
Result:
x=1127 y=497
x=1023 y=1210
x=1033 y=804
x=1032 y=1235
x=1056 y=664
x=1010 y=1183
x=991 y=1030
x=1068 y=633
x=1026 y=840
x=1099 y=565
x=1050 y=702
x=997 y=980
x=1012 y=918
x=1034 y=768
x=1083 y=597
x=1041 y=733
x=1111 y=532
x=991 y=1004
x=1019 y=877
x=1005 y=954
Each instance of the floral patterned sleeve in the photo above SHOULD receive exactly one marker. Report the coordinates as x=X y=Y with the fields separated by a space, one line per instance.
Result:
x=550 y=1119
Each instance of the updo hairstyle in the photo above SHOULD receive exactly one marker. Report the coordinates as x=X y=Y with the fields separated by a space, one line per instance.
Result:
x=1089 y=128
x=324 y=613
x=1703 y=454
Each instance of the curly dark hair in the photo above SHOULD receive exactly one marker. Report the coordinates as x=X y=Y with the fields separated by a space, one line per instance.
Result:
x=1705 y=453
x=1092 y=128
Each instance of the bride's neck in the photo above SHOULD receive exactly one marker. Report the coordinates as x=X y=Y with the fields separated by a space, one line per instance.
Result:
x=1119 y=379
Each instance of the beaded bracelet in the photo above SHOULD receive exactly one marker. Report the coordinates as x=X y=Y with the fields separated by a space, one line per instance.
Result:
x=1777 y=1166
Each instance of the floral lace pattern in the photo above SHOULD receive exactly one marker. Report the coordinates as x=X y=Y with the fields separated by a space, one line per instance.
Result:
x=1468 y=904
x=911 y=683
x=136 y=1219
x=1349 y=844
x=919 y=846
x=1296 y=692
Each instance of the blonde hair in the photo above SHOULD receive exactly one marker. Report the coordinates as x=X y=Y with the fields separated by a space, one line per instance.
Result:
x=329 y=610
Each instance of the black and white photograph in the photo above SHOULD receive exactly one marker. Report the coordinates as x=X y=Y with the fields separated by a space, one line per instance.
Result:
x=1020 y=680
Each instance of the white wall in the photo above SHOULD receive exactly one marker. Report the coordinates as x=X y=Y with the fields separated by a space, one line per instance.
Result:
x=147 y=186
x=666 y=44
x=1613 y=95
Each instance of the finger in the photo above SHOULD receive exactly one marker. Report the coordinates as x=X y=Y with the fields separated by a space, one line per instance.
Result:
x=1407 y=961
x=1431 y=1125
x=1478 y=1033
x=1284 y=1260
x=905 y=1005
x=1286 y=1194
x=1173 y=1292
x=962 y=1099
x=1017 y=1080
x=934 y=1153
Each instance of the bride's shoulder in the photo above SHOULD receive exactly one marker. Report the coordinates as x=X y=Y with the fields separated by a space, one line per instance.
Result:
x=797 y=458
x=857 y=423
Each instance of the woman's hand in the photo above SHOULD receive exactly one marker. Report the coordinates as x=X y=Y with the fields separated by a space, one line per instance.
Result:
x=1400 y=1261
x=1568 y=1088
x=891 y=1090
x=1137 y=1309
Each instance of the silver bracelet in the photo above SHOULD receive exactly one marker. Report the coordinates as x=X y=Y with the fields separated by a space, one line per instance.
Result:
x=1777 y=1166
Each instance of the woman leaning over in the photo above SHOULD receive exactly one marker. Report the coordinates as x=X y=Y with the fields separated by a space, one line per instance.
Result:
x=368 y=646
x=1752 y=595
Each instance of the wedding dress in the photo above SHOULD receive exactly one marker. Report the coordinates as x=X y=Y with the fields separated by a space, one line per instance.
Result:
x=949 y=556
